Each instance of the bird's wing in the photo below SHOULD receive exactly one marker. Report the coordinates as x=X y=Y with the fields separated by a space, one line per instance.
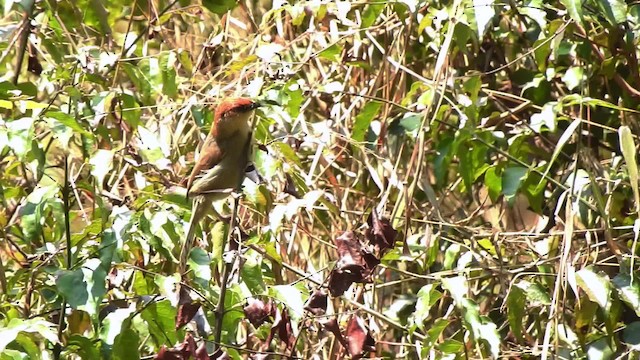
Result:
x=210 y=156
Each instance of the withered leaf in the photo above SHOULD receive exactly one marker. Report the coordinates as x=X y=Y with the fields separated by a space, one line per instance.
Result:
x=168 y=354
x=201 y=352
x=380 y=232
x=332 y=325
x=282 y=325
x=317 y=303
x=349 y=249
x=180 y=352
x=356 y=264
x=186 y=312
x=360 y=340
x=257 y=311
x=341 y=280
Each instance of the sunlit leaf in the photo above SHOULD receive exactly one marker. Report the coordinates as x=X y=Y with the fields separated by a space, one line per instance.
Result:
x=574 y=8
x=68 y=121
x=36 y=325
x=628 y=147
x=484 y=12
x=573 y=77
x=291 y=296
x=371 y=13
x=363 y=120
x=561 y=142
x=597 y=287
x=615 y=11
x=628 y=290
x=160 y=318
x=84 y=288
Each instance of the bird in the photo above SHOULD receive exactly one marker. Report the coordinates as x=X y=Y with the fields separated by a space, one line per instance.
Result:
x=222 y=163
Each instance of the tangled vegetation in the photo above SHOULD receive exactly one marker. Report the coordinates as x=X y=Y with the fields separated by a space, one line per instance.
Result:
x=442 y=180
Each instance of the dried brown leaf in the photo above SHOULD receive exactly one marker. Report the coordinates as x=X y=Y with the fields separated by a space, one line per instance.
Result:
x=317 y=303
x=257 y=311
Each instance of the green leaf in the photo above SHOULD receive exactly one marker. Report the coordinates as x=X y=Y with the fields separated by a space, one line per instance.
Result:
x=574 y=8
x=410 y=122
x=457 y=286
x=218 y=238
x=130 y=110
x=473 y=86
x=83 y=347
x=573 y=77
x=628 y=147
x=451 y=255
x=139 y=80
x=566 y=135
x=68 y=121
x=36 y=325
x=628 y=290
x=19 y=135
x=435 y=330
x=200 y=263
x=615 y=11
x=631 y=335
x=363 y=120
x=371 y=13
x=585 y=312
x=443 y=158
x=114 y=324
x=599 y=350
x=32 y=213
x=483 y=12
x=125 y=346
x=451 y=346
x=493 y=183
x=101 y=163
x=84 y=288
x=252 y=275
x=516 y=301
x=168 y=72
x=596 y=286
x=541 y=53
x=512 y=178
x=536 y=293
x=427 y=296
x=160 y=318
x=332 y=53
x=292 y=297
x=219 y=7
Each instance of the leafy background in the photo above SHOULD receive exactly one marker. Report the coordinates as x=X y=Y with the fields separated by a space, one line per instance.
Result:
x=482 y=152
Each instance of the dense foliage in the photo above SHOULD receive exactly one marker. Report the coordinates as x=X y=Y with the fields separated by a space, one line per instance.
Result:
x=443 y=179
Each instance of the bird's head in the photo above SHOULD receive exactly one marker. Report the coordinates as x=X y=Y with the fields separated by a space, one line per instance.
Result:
x=232 y=114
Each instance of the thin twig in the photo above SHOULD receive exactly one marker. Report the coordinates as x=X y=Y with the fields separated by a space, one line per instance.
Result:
x=24 y=39
x=67 y=209
x=219 y=311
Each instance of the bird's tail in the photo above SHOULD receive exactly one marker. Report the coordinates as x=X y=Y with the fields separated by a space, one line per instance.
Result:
x=198 y=210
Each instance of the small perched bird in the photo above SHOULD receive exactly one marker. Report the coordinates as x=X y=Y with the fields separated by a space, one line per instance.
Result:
x=221 y=166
